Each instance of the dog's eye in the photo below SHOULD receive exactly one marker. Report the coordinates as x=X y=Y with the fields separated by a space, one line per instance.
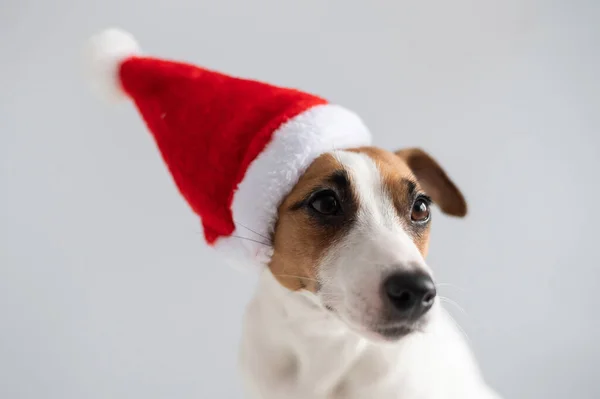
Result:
x=325 y=202
x=420 y=210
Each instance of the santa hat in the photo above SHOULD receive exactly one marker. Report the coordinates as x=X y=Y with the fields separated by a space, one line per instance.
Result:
x=234 y=147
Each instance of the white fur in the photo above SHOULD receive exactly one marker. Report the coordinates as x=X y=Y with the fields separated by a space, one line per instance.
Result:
x=273 y=174
x=293 y=348
x=103 y=56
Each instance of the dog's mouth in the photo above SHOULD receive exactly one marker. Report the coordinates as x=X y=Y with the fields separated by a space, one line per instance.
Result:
x=394 y=332
x=381 y=332
x=387 y=333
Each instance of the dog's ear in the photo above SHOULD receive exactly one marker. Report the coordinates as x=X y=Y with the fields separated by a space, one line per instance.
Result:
x=434 y=180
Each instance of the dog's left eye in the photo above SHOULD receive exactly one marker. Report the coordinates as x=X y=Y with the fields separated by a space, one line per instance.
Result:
x=325 y=202
x=420 y=211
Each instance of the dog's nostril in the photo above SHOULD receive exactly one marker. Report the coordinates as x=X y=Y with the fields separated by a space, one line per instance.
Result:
x=428 y=298
x=410 y=293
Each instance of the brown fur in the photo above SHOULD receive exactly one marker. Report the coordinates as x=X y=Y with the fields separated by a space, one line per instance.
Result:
x=298 y=243
x=435 y=181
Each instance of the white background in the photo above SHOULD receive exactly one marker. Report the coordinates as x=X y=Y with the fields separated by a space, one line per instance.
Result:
x=106 y=287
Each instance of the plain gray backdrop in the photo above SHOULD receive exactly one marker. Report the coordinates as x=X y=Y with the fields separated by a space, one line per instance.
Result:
x=106 y=287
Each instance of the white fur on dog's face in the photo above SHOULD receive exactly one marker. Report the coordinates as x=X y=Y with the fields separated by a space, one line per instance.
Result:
x=344 y=259
x=352 y=270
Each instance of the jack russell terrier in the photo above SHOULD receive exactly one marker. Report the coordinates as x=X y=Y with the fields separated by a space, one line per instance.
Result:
x=347 y=306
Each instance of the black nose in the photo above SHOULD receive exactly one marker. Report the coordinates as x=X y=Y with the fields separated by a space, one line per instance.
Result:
x=411 y=294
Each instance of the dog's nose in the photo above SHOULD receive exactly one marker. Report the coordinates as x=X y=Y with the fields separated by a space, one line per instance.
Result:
x=411 y=294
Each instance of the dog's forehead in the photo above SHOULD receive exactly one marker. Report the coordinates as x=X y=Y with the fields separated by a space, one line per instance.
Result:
x=374 y=171
x=365 y=165
x=391 y=168
x=376 y=180
x=366 y=181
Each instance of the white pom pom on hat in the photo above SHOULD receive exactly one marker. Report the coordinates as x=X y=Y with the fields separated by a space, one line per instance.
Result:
x=104 y=54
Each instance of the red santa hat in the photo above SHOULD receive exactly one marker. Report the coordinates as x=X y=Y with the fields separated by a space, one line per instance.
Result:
x=234 y=147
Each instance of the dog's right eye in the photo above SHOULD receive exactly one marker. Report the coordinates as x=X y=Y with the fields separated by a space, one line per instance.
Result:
x=421 y=211
x=325 y=202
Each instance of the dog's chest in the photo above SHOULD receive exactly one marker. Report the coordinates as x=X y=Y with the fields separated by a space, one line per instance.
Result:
x=349 y=367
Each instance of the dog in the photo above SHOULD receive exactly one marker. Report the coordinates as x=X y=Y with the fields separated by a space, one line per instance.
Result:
x=347 y=307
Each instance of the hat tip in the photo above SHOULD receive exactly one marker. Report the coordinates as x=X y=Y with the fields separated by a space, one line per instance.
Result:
x=104 y=54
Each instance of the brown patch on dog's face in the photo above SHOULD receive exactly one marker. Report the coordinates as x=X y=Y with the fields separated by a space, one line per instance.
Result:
x=302 y=233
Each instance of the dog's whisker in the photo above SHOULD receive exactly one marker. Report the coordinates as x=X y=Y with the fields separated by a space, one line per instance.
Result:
x=253 y=231
x=245 y=238
x=252 y=240
x=294 y=276
x=451 y=302
x=459 y=328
